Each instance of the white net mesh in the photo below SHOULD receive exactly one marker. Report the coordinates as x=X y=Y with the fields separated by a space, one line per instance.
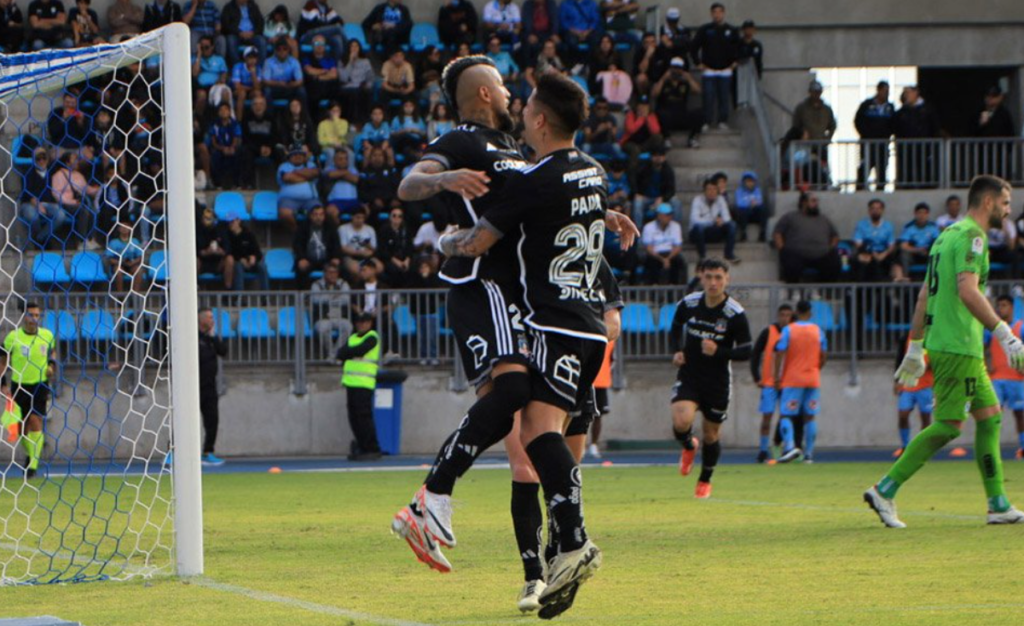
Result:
x=82 y=198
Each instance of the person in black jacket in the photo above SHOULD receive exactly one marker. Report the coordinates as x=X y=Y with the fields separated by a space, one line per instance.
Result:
x=874 y=121
x=655 y=184
x=916 y=162
x=241 y=23
x=457 y=23
x=762 y=363
x=160 y=13
x=211 y=348
x=716 y=51
x=248 y=255
x=994 y=121
x=395 y=249
x=12 y=27
x=389 y=25
x=751 y=48
x=320 y=18
x=259 y=136
x=213 y=249
x=315 y=246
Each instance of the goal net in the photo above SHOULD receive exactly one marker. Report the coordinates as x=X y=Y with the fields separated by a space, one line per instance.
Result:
x=95 y=199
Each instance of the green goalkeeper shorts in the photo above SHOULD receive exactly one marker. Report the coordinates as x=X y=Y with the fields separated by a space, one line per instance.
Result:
x=962 y=385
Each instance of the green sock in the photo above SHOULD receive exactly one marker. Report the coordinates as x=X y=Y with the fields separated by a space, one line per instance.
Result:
x=33 y=444
x=990 y=463
x=921 y=449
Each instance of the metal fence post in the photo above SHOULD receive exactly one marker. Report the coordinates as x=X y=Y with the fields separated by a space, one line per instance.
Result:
x=618 y=368
x=946 y=147
x=299 y=385
x=854 y=333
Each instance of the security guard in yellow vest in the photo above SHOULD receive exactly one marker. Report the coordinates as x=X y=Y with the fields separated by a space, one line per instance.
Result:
x=359 y=377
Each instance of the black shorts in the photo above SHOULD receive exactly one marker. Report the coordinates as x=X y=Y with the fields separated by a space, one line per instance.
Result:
x=487 y=328
x=603 y=402
x=210 y=265
x=32 y=399
x=583 y=415
x=711 y=399
x=564 y=367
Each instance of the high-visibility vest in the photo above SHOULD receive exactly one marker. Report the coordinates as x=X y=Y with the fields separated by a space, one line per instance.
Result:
x=768 y=358
x=361 y=372
x=11 y=419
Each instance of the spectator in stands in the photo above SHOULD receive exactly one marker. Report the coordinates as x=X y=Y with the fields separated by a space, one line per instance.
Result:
x=994 y=121
x=507 y=67
x=124 y=255
x=332 y=132
x=208 y=68
x=750 y=207
x=282 y=75
x=125 y=19
x=39 y=208
x=247 y=253
x=540 y=23
x=332 y=303
x=225 y=141
x=710 y=222
x=600 y=132
x=399 y=77
x=655 y=185
x=358 y=242
x=408 y=130
x=428 y=75
x=616 y=86
x=424 y=306
x=295 y=127
x=319 y=19
x=623 y=261
x=376 y=134
x=85 y=24
x=315 y=246
x=675 y=36
x=716 y=50
x=279 y=28
x=916 y=240
x=641 y=132
x=298 y=194
x=874 y=124
x=67 y=125
x=389 y=25
x=952 y=215
x=342 y=182
x=149 y=190
x=651 y=63
x=356 y=78
x=602 y=56
x=76 y=195
x=814 y=119
x=160 y=13
x=378 y=182
x=457 y=22
x=547 y=61
x=259 y=136
x=114 y=204
x=671 y=95
x=619 y=189
x=246 y=79
x=321 y=72
x=751 y=48
x=396 y=250
x=620 y=18
x=806 y=239
x=662 y=239
x=12 y=27
x=213 y=249
x=916 y=163
x=440 y=121
x=203 y=19
x=875 y=239
x=48 y=25
x=1002 y=246
x=722 y=180
x=580 y=22
x=242 y=25
x=503 y=19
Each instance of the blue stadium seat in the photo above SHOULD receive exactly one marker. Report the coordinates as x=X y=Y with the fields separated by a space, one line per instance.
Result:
x=1018 y=308
x=87 y=268
x=61 y=324
x=638 y=318
x=286 y=322
x=264 y=206
x=21 y=151
x=424 y=34
x=355 y=31
x=665 y=316
x=222 y=318
x=98 y=325
x=404 y=321
x=48 y=268
x=230 y=204
x=823 y=315
x=280 y=264
x=158 y=266
x=445 y=330
x=254 y=323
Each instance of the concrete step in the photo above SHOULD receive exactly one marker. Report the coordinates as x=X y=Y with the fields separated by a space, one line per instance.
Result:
x=715 y=139
x=691 y=178
x=693 y=157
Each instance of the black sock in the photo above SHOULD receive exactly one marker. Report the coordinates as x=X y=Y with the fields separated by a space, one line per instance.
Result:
x=561 y=478
x=685 y=439
x=527 y=520
x=708 y=460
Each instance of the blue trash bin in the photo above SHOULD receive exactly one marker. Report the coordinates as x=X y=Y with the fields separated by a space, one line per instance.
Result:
x=387 y=409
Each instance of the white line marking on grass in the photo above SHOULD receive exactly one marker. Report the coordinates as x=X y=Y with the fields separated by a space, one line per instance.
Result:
x=488 y=466
x=312 y=607
x=840 y=509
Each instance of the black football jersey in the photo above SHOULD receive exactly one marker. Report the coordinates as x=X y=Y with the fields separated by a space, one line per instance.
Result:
x=556 y=210
x=725 y=324
x=475 y=147
x=610 y=286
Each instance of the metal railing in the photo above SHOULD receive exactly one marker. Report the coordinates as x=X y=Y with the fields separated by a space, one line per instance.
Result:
x=883 y=164
x=750 y=93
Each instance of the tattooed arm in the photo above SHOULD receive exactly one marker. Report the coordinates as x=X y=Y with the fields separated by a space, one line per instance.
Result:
x=429 y=178
x=471 y=242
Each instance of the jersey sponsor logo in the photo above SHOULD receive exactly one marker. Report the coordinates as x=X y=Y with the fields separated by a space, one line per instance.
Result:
x=567 y=370
x=478 y=346
x=978 y=245
x=509 y=164
x=590 y=177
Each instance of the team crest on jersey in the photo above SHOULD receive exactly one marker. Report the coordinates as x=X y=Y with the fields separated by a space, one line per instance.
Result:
x=478 y=346
x=978 y=245
x=523 y=345
x=567 y=370
x=721 y=325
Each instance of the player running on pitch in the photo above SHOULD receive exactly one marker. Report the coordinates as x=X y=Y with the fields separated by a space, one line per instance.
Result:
x=949 y=320
x=1008 y=382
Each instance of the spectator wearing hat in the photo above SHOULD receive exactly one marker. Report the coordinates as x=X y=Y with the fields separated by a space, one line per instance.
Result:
x=319 y=19
x=813 y=118
x=282 y=75
x=751 y=48
x=916 y=240
x=248 y=254
x=315 y=246
x=655 y=184
x=246 y=78
x=332 y=304
x=875 y=239
x=641 y=131
x=994 y=121
x=600 y=131
x=749 y=207
x=671 y=95
x=297 y=178
x=874 y=125
x=456 y=23
x=807 y=239
x=242 y=25
x=710 y=222
x=662 y=239
x=716 y=50
x=225 y=141
x=213 y=249
x=916 y=162
x=675 y=38
x=360 y=357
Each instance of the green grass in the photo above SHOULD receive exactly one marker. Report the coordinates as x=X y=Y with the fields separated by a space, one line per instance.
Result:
x=779 y=545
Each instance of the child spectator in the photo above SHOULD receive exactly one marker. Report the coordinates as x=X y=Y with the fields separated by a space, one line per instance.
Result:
x=297 y=179
x=440 y=122
x=358 y=242
x=376 y=134
x=343 y=180
x=85 y=24
x=749 y=207
x=225 y=141
x=124 y=254
x=332 y=132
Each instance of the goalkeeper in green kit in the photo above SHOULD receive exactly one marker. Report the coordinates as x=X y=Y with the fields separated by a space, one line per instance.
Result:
x=951 y=315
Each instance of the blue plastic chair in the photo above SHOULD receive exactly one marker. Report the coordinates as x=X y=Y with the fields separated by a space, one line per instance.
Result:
x=638 y=318
x=355 y=31
x=48 y=268
x=280 y=264
x=424 y=34
x=61 y=324
x=230 y=204
x=224 y=328
x=21 y=151
x=254 y=323
x=1018 y=308
x=158 y=266
x=98 y=325
x=264 y=206
x=404 y=321
x=286 y=321
x=87 y=268
x=665 y=316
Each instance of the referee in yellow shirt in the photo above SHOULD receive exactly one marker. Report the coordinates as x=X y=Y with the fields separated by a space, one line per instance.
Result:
x=30 y=352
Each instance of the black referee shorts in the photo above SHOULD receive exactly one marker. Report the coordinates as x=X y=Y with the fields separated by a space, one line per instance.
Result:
x=583 y=414
x=487 y=328
x=563 y=367
x=711 y=399
x=32 y=399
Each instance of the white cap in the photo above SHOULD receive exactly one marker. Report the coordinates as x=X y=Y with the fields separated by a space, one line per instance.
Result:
x=672 y=14
x=677 y=62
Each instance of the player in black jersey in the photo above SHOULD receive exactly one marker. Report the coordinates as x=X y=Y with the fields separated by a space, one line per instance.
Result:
x=709 y=331
x=557 y=209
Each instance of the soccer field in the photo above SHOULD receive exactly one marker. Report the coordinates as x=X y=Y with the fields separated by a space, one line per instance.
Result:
x=776 y=545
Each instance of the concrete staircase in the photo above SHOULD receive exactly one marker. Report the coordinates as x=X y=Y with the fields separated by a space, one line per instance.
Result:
x=720 y=151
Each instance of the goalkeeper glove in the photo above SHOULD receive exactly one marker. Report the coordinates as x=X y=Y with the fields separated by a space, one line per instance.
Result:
x=912 y=367
x=1012 y=345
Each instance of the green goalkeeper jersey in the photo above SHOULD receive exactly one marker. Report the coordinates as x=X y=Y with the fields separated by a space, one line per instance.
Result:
x=949 y=326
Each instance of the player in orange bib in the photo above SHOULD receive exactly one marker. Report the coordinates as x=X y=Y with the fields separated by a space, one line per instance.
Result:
x=800 y=355
x=1009 y=383
x=762 y=367
x=920 y=396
